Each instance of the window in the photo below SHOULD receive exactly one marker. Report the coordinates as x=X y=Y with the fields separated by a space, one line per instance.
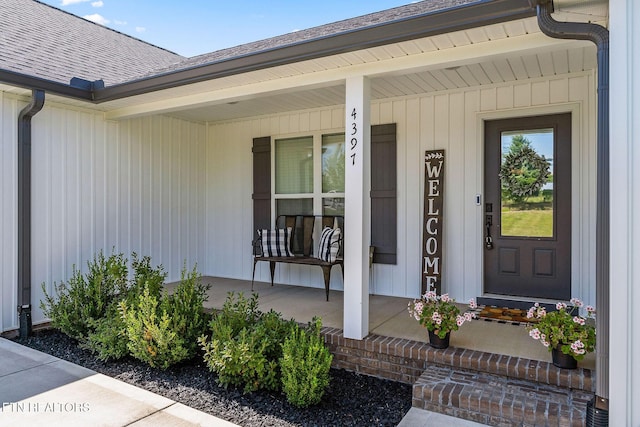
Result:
x=309 y=175
x=312 y=182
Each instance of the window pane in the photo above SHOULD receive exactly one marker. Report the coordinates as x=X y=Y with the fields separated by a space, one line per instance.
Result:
x=526 y=179
x=294 y=165
x=333 y=163
x=333 y=206
x=294 y=207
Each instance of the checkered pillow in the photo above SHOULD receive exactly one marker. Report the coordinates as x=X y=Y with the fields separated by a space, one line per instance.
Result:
x=276 y=242
x=329 y=246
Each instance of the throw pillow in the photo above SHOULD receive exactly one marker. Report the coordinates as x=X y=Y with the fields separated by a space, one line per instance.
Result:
x=276 y=242
x=329 y=246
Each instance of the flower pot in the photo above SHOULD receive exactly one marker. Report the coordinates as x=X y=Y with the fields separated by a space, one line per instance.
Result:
x=436 y=342
x=561 y=360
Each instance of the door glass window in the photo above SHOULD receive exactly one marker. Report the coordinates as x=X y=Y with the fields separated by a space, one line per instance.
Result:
x=526 y=183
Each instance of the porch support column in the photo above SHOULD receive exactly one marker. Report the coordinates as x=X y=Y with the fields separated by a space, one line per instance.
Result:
x=357 y=221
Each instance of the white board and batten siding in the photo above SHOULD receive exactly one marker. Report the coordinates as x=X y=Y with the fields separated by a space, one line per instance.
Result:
x=133 y=185
x=450 y=120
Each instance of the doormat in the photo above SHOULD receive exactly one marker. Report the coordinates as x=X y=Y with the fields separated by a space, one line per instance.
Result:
x=491 y=313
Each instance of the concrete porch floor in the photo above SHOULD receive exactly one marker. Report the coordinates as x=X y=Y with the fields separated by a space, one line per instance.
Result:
x=388 y=316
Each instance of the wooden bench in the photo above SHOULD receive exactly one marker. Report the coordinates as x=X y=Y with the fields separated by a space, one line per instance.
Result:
x=303 y=246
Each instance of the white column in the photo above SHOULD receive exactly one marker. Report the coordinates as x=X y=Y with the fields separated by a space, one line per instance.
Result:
x=357 y=219
x=624 y=336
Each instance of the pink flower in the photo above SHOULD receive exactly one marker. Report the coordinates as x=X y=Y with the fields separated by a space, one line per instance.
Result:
x=468 y=316
x=591 y=310
x=579 y=320
x=473 y=303
x=543 y=340
x=445 y=298
x=530 y=313
x=430 y=295
x=535 y=334
x=561 y=306
x=578 y=347
x=436 y=317
x=459 y=320
x=576 y=302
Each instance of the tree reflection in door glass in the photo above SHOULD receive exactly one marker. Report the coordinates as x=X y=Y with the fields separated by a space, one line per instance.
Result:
x=526 y=180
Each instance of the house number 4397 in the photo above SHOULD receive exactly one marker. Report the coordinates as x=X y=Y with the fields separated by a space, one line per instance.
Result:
x=354 y=137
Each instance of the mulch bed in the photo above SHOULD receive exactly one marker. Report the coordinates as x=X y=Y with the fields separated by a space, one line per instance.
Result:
x=351 y=400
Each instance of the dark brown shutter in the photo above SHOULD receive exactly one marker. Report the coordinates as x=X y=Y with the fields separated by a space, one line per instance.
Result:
x=261 y=183
x=384 y=212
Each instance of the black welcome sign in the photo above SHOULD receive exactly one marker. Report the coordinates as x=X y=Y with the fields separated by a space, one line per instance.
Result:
x=432 y=226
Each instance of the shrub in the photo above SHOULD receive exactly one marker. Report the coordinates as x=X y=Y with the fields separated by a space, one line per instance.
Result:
x=162 y=329
x=150 y=335
x=246 y=344
x=305 y=365
x=187 y=316
x=83 y=300
x=109 y=338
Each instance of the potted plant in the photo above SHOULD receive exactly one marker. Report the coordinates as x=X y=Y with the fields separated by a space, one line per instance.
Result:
x=567 y=334
x=440 y=315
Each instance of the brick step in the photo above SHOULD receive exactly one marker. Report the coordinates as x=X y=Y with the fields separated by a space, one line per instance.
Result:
x=404 y=360
x=498 y=400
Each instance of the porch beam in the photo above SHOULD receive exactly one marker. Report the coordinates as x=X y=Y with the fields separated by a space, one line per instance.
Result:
x=526 y=44
x=357 y=221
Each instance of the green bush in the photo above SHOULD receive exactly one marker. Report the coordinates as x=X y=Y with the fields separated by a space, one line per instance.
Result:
x=80 y=303
x=246 y=344
x=187 y=315
x=151 y=337
x=108 y=338
x=305 y=365
x=162 y=330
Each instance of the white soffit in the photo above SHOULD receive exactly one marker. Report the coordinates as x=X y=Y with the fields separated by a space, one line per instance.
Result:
x=485 y=55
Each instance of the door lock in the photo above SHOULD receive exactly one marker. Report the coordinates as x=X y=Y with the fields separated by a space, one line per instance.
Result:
x=488 y=240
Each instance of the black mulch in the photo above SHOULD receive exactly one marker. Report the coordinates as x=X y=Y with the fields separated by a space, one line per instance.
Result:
x=351 y=400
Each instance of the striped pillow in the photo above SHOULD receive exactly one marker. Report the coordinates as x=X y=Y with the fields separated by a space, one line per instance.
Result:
x=276 y=242
x=328 y=248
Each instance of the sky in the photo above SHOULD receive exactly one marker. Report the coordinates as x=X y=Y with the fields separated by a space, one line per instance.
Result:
x=193 y=27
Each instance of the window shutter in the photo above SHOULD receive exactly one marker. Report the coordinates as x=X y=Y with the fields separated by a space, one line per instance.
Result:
x=261 y=183
x=384 y=212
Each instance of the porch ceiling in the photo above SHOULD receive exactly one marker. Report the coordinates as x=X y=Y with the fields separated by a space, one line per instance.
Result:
x=493 y=54
x=496 y=71
x=543 y=64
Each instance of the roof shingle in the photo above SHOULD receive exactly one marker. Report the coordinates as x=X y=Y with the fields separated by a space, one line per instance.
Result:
x=42 y=41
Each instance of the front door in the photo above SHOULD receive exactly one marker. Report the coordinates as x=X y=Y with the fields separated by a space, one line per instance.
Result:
x=527 y=209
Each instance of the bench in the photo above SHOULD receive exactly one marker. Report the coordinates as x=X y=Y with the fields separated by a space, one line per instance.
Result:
x=303 y=249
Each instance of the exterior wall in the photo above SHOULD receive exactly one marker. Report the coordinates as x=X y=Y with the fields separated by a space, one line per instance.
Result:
x=451 y=120
x=624 y=328
x=134 y=185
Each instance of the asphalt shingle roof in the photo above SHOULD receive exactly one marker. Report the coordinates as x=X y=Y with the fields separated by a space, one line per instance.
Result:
x=42 y=41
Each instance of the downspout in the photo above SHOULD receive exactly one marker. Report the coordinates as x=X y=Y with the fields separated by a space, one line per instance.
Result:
x=598 y=410
x=24 y=209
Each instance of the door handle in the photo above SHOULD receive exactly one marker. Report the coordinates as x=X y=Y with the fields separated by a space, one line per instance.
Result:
x=488 y=240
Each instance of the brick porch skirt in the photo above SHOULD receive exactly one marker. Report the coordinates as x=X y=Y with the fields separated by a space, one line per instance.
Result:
x=492 y=389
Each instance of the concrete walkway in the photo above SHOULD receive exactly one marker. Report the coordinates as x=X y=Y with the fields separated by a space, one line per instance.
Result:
x=37 y=389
